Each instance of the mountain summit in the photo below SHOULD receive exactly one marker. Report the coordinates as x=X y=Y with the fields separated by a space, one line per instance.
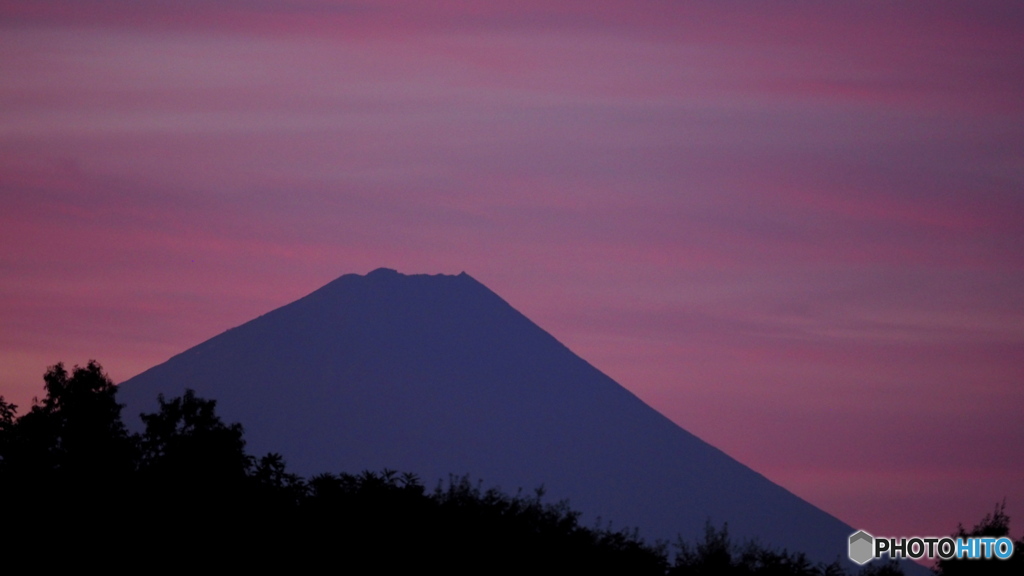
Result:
x=438 y=375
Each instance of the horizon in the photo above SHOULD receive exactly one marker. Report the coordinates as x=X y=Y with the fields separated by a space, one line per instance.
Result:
x=784 y=228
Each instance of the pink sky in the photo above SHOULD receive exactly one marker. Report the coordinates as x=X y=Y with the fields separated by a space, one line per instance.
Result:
x=796 y=228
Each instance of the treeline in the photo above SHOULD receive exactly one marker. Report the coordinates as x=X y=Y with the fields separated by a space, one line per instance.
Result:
x=78 y=489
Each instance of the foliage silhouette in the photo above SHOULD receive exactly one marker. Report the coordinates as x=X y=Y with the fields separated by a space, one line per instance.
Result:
x=879 y=568
x=187 y=442
x=717 y=555
x=184 y=493
x=65 y=462
x=7 y=413
x=75 y=432
x=996 y=524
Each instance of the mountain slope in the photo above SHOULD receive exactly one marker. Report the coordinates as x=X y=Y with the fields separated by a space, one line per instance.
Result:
x=438 y=375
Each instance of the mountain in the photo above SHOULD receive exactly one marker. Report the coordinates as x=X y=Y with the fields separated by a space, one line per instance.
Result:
x=438 y=375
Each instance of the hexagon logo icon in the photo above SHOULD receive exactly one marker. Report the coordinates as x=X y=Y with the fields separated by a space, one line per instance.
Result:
x=861 y=544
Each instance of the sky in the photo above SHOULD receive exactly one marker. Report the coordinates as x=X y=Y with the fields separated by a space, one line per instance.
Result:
x=795 y=228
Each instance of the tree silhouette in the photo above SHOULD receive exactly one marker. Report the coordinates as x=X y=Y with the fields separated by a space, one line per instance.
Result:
x=75 y=434
x=718 y=555
x=185 y=493
x=65 y=463
x=193 y=486
x=7 y=422
x=186 y=441
x=996 y=524
x=7 y=412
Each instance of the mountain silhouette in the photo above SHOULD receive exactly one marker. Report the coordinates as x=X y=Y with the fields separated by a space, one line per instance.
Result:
x=437 y=375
